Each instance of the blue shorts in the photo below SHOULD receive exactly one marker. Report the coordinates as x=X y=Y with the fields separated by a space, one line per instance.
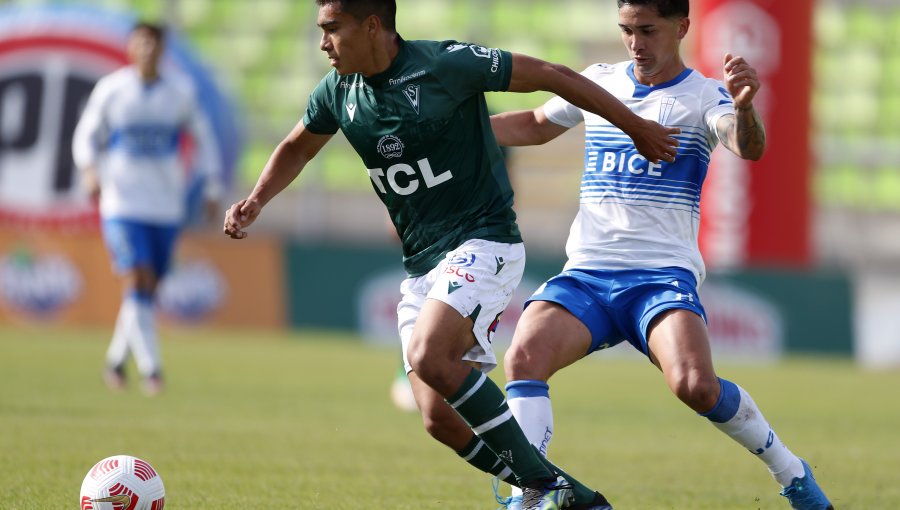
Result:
x=133 y=244
x=618 y=305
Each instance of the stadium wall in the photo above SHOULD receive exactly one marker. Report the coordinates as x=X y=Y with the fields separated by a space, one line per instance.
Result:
x=756 y=314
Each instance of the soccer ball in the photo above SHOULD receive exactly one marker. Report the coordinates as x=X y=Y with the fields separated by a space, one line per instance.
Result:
x=122 y=482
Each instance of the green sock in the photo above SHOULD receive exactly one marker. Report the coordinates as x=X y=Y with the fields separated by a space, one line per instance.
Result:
x=479 y=455
x=481 y=404
x=583 y=493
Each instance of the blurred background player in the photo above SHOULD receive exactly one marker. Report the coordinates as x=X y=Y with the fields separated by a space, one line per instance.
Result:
x=128 y=146
x=633 y=262
x=415 y=112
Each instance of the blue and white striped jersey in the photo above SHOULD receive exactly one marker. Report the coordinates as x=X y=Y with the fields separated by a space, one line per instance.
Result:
x=132 y=133
x=634 y=214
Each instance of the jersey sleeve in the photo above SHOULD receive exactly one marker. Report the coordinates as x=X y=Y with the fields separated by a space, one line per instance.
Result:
x=468 y=69
x=90 y=132
x=561 y=112
x=716 y=103
x=319 y=118
x=209 y=161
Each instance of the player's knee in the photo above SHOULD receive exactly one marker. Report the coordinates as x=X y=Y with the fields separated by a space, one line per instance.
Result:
x=697 y=390
x=527 y=360
x=445 y=427
x=439 y=428
x=430 y=365
x=513 y=358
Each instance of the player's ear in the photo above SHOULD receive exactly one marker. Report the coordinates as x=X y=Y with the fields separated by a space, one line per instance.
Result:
x=683 y=25
x=372 y=24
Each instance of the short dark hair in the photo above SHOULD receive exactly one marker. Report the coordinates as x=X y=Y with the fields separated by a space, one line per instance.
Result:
x=665 y=8
x=386 y=10
x=154 y=29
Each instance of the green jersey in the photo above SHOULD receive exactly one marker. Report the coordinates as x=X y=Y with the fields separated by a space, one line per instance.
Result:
x=422 y=129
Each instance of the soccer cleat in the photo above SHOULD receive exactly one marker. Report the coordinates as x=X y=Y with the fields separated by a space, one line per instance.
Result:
x=549 y=495
x=510 y=503
x=153 y=385
x=598 y=503
x=114 y=378
x=507 y=503
x=805 y=494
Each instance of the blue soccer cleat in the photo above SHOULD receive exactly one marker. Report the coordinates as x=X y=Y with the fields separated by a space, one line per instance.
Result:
x=510 y=503
x=507 y=503
x=805 y=494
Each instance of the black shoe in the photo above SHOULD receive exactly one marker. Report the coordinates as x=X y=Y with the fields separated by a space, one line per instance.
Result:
x=599 y=503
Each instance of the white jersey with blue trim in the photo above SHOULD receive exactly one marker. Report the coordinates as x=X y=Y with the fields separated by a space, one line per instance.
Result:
x=634 y=214
x=131 y=132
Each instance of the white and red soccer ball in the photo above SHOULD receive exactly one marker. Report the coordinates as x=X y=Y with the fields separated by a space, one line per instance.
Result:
x=122 y=482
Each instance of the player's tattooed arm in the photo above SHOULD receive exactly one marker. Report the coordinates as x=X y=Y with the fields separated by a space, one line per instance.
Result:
x=745 y=134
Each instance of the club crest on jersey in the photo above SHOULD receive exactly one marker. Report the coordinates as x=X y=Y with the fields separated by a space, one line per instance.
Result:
x=412 y=95
x=665 y=108
x=389 y=146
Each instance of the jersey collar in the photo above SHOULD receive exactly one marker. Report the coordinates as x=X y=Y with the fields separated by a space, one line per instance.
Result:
x=380 y=79
x=641 y=90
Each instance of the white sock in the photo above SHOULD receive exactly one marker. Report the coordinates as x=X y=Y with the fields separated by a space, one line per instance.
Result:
x=144 y=343
x=737 y=415
x=529 y=401
x=117 y=353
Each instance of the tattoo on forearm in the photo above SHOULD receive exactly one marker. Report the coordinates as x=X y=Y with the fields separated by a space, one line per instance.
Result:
x=747 y=133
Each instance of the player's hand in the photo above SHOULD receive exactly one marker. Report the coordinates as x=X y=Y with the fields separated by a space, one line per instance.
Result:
x=740 y=80
x=240 y=216
x=655 y=142
x=91 y=183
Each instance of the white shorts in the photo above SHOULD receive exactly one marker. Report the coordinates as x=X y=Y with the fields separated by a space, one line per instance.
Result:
x=477 y=280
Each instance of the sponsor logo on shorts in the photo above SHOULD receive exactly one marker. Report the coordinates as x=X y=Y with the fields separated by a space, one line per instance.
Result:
x=500 y=264
x=458 y=271
x=466 y=260
x=453 y=287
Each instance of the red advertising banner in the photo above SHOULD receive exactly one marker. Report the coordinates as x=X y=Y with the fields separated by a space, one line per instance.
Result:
x=758 y=213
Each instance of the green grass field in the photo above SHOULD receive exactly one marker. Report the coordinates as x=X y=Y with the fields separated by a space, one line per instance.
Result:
x=255 y=420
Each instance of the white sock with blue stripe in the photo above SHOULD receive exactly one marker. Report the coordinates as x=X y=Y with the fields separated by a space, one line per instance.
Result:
x=736 y=414
x=529 y=401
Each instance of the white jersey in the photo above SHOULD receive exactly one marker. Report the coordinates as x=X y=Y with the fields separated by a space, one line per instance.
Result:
x=131 y=132
x=634 y=214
